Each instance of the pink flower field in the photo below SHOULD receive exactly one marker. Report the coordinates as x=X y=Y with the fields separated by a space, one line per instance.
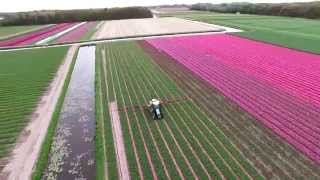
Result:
x=77 y=33
x=33 y=37
x=278 y=86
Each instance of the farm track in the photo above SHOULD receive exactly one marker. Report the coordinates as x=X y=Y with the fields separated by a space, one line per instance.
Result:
x=177 y=146
x=266 y=151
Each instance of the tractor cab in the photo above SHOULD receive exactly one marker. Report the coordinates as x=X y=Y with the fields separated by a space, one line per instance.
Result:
x=155 y=109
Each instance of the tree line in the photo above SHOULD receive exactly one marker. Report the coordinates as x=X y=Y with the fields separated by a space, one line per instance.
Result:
x=63 y=16
x=302 y=9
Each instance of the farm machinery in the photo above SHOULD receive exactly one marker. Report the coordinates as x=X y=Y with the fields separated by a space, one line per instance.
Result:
x=155 y=109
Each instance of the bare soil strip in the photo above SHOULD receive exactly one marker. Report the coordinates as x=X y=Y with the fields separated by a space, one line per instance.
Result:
x=152 y=26
x=273 y=157
x=118 y=141
x=26 y=151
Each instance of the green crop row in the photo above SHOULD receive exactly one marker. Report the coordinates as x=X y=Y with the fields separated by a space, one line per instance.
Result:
x=24 y=76
x=185 y=143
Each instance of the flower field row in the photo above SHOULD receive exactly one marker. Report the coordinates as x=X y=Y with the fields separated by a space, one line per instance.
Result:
x=23 y=79
x=278 y=86
x=33 y=37
x=185 y=144
x=76 y=34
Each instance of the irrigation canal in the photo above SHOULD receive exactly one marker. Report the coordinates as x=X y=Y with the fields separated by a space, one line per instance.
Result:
x=72 y=153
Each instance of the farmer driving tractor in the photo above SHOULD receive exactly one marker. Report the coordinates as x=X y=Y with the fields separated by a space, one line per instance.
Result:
x=155 y=108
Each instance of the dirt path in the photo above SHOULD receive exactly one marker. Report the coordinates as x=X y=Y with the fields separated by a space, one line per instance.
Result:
x=119 y=144
x=268 y=153
x=27 y=149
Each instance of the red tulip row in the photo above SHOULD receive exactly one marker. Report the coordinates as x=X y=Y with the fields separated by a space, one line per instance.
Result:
x=32 y=38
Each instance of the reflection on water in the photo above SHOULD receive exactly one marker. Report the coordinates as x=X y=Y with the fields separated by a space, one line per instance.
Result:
x=72 y=152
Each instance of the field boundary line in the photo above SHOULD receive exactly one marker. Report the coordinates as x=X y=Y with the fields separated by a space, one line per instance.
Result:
x=26 y=151
x=118 y=141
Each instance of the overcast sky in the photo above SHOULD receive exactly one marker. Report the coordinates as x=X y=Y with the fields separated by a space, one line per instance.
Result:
x=27 y=5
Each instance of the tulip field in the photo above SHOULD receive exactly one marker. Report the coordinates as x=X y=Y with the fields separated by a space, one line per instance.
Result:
x=83 y=32
x=298 y=33
x=78 y=33
x=237 y=108
x=236 y=104
x=24 y=76
x=11 y=31
x=186 y=143
x=33 y=37
x=277 y=86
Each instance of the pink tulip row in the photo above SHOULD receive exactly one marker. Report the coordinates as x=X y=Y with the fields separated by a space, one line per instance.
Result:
x=276 y=85
x=33 y=37
x=76 y=34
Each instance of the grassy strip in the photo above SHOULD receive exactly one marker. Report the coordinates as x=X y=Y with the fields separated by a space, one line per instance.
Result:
x=100 y=173
x=45 y=148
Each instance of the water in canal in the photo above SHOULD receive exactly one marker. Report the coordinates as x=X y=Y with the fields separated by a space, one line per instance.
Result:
x=72 y=152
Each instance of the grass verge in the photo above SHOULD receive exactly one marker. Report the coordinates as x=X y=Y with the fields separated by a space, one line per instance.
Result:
x=99 y=129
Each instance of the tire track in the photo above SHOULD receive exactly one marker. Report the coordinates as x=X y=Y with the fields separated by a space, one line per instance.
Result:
x=118 y=139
